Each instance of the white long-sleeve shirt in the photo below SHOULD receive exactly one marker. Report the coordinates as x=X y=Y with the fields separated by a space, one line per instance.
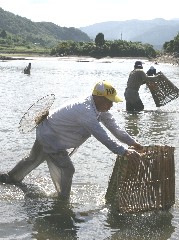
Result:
x=72 y=124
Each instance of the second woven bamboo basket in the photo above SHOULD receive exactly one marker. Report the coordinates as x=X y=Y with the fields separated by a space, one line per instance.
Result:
x=146 y=185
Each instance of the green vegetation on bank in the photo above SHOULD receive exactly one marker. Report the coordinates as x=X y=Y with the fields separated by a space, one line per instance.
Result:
x=115 y=48
x=172 y=46
x=103 y=48
x=10 y=43
x=17 y=44
x=19 y=35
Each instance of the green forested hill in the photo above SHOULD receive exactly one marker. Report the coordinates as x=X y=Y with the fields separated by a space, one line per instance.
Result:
x=45 y=33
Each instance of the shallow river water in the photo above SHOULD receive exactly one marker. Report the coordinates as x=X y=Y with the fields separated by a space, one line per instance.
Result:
x=33 y=212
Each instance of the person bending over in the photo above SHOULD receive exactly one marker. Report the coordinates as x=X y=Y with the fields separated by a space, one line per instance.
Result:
x=68 y=127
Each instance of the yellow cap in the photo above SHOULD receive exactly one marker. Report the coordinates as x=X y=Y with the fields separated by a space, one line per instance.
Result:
x=105 y=89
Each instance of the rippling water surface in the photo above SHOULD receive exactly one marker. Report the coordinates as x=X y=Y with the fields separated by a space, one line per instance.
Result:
x=32 y=211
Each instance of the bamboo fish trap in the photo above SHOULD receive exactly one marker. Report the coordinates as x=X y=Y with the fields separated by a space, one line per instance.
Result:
x=146 y=185
x=162 y=90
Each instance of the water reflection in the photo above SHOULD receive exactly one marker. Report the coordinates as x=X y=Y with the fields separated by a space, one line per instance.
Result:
x=152 y=127
x=51 y=219
x=131 y=123
x=153 y=226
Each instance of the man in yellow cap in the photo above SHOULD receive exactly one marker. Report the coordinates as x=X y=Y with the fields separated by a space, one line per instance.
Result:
x=69 y=127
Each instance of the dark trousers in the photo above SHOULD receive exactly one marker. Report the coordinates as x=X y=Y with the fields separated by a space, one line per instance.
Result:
x=133 y=101
x=136 y=106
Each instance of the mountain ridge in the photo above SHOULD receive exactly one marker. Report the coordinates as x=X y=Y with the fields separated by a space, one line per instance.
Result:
x=155 y=32
x=46 y=33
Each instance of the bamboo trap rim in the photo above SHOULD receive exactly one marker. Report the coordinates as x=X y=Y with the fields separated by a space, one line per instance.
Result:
x=162 y=89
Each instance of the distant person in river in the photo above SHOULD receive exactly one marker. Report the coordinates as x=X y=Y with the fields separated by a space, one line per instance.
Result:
x=137 y=77
x=151 y=71
x=27 y=69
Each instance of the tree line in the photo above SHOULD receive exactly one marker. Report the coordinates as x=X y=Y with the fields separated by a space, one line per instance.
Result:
x=172 y=46
x=102 y=48
x=97 y=48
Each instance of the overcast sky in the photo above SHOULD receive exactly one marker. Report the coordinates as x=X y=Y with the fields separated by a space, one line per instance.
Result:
x=81 y=13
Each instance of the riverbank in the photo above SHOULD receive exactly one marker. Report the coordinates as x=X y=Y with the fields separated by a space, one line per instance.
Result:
x=25 y=56
x=164 y=58
x=6 y=58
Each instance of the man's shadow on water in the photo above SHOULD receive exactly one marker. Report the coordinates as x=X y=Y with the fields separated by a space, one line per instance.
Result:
x=51 y=217
x=149 y=225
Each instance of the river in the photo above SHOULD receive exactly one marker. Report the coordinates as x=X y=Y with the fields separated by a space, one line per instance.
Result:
x=33 y=212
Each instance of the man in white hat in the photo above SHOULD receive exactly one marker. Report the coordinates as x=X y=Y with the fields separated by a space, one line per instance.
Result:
x=69 y=127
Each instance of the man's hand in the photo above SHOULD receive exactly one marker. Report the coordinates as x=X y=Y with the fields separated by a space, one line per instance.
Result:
x=136 y=146
x=158 y=73
x=132 y=155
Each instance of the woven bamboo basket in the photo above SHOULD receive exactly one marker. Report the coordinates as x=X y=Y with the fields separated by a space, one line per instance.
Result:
x=162 y=90
x=145 y=185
